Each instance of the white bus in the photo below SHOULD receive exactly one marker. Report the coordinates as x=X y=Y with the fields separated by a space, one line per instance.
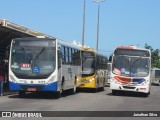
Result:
x=155 y=76
x=131 y=70
x=43 y=64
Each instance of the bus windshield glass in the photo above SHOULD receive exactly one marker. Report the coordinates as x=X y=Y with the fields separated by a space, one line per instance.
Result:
x=142 y=53
x=130 y=66
x=33 y=60
x=157 y=73
x=88 y=63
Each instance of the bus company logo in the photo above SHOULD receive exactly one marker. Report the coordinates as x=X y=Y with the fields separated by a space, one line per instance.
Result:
x=21 y=114
x=6 y=114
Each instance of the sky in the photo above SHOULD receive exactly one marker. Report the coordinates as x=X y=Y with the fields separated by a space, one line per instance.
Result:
x=122 y=22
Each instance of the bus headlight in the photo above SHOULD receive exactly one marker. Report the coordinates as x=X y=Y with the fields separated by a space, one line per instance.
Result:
x=51 y=80
x=91 y=79
x=146 y=81
x=12 y=79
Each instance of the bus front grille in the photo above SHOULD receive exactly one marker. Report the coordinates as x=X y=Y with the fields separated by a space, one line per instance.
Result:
x=129 y=87
x=25 y=87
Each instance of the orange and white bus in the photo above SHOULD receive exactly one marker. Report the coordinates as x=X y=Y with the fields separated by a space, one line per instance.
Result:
x=131 y=68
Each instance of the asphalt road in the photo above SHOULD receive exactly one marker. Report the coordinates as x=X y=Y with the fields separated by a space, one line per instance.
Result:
x=84 y=101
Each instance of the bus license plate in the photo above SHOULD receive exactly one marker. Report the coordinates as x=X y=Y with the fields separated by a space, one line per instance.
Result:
x=31 y=89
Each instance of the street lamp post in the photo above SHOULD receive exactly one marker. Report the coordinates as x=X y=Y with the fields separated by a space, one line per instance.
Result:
x=98 y=1
x=83 y=29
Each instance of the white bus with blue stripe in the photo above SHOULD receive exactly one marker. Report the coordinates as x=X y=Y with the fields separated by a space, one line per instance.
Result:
x=43 y=64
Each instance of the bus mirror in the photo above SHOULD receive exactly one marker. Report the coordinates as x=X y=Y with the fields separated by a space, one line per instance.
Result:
x=59 y=54
x=59 y=48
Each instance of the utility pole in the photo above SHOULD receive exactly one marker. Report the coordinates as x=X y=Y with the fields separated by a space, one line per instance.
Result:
x=98 y=1
x=83 y=28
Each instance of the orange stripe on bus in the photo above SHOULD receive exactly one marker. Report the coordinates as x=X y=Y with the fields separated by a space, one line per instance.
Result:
x=123 y=79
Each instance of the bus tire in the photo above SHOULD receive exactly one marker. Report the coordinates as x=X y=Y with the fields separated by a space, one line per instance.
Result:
x=21 y=93
x=74 y=91
x=60 y=92
x=102 y=88
x=103 y=84
x=97 y=87
x=146 y=94
x=114 y=92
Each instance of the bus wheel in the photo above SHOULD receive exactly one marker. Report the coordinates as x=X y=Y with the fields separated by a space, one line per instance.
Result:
x=146 y=94
x=74 y=87
x=21 y=93
x=102 y=88
x=60 y=92
x=114 y=92
x=103 y=84
x=97 y=87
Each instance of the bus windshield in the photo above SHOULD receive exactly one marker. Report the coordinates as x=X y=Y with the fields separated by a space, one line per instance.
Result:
x=157 y=73
x=33 y=61
x=130 y=66
x=88 y=64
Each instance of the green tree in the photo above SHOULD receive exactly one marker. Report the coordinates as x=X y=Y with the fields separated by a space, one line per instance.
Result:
x=148 y=47
x=155 y=56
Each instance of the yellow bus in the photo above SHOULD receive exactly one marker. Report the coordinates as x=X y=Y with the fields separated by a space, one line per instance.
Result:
x=94 y=69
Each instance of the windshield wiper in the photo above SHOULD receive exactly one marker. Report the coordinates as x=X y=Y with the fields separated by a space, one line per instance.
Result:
x=42 y=50
x=136 y=60
x=26 y=54
x=133 y=64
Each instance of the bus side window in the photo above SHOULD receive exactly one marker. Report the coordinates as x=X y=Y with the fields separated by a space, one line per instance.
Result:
x=76 y=58
x=63 y=54
x=66 y=55
x=98 y=62
x=59 y=58
x=70 y=56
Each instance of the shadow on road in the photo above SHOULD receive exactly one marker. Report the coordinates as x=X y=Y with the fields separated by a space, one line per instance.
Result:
x=41 y=95
x=90 y=90
x=127 y=94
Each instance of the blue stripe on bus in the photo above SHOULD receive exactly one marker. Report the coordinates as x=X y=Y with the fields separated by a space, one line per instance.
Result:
x=46 y=87
x=138 y=80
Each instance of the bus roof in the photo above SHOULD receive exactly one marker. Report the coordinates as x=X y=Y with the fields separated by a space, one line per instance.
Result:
x=68 y=44
x=130 y=48
x=61 y=42
x=126 y=47
x=87 y=49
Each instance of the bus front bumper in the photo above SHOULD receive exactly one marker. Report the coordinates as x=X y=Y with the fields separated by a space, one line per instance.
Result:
x=33 y=87
x=134 y=88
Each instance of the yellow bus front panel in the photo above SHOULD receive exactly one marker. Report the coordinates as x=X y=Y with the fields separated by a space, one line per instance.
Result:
x=88 y=82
